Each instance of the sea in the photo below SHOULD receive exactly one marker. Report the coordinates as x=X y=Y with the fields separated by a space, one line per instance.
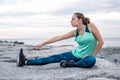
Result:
x=108 y=41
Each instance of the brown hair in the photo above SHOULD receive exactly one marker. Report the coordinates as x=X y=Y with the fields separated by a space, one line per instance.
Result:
x=85 y=20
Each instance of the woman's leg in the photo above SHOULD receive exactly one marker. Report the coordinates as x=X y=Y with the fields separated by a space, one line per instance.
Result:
x=86 y=62
x=51 y=59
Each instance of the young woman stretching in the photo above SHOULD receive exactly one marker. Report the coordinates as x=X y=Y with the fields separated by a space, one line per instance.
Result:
x=89 y=43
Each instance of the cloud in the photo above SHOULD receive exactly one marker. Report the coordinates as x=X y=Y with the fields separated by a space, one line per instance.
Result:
x=53 y=13
x=104 y=16
x=33 y=12
x=12 y=2
x=56 y=7
x=92 y=6
x=36 y=20
x=35 y=6
x=31 y=32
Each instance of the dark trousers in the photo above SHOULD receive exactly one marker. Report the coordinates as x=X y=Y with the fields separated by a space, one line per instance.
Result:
x=86 y=62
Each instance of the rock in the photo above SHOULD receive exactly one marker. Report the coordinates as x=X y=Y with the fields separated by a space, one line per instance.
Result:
x=16 y=42
x=103 y=69
x=100 y=79
x=115 y=60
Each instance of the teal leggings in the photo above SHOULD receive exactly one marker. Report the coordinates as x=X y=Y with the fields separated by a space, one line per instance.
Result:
x=86 y=62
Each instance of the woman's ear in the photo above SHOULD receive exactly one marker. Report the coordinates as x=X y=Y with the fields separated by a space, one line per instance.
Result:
x=80 y=20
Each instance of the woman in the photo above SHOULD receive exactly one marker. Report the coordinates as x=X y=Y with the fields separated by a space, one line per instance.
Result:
x=89 y=43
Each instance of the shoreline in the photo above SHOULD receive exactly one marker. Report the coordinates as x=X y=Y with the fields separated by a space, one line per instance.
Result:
x=108 y=41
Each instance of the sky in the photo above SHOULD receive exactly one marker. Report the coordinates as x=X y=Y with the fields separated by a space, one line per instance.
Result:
x=41 y=18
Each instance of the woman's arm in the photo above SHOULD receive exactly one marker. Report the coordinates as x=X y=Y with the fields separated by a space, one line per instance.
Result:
x=56 y=38
x=98 y=36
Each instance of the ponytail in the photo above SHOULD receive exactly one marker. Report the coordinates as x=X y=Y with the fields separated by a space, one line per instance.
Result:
x=87 y=20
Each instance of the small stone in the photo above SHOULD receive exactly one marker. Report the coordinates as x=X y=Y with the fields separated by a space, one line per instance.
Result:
x=115 y=60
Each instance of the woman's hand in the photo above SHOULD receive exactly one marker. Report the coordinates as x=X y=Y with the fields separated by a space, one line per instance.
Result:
x=37 y=47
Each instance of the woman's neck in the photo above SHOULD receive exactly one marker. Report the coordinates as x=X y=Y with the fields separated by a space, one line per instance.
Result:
x=81 y=27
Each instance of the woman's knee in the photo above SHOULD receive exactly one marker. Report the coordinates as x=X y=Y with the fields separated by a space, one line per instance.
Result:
x=91 y=61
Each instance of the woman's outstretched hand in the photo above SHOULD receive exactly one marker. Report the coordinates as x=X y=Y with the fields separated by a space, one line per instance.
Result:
x=37 y=47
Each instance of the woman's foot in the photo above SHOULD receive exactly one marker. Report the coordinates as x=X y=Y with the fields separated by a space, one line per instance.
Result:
x=65 y=63
x=21 y=59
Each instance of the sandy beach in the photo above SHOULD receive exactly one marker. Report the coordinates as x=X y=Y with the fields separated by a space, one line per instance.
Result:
x=106 y=68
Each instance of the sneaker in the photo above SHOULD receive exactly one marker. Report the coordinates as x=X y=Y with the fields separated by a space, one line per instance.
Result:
x=62 y=63
x=21 y=59
x=65 y=63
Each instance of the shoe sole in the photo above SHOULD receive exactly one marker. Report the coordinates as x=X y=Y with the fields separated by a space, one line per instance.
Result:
x=19 y=61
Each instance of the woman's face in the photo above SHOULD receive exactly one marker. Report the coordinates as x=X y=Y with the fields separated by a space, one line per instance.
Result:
x=75 y=21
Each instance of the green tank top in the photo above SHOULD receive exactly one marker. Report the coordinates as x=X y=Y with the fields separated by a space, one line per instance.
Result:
x=86 y=43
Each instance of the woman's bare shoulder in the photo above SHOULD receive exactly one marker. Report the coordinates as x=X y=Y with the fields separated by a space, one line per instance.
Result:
x=92 y=26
